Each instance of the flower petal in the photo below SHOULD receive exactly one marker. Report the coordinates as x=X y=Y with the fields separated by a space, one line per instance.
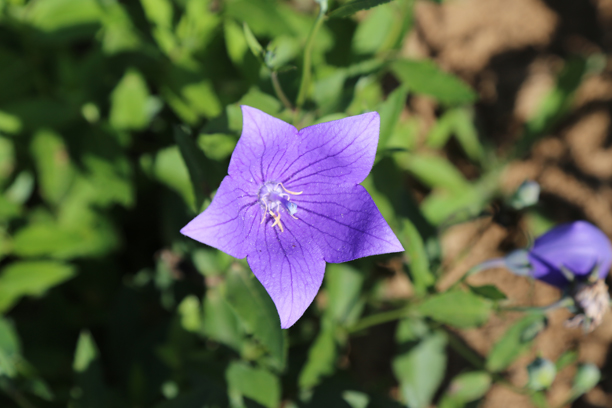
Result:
x=228 y=222
x=341 y=151
x=347 y=223
x=265 y=146
x=290 y=266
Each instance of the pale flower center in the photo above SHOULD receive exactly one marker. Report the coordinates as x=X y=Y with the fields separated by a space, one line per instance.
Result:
x=274 y=197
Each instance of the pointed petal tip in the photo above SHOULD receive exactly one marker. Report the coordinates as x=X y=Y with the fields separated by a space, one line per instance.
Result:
x=288 y=321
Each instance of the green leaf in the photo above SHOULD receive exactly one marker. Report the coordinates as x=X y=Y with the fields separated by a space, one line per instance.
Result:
x=257 y=313
x=343 y=284
x=262 y=101
x=7 y=159
x=418 y=259
x=515 y=341
x=424 y=77
x=90 y=390
x=421 y=370
x=8 y=209
x=489 y=292
x=197 y=28
x=190 y=313
x=567 y=358
x=470 y=386
x=239 y=51
x=10 y=123
x=220 y=321
x=169 y=168
x=10 y=349
x=131 y=103
x=390 y=112
x=78 y=240
x=466 y=134
x=354 y=6
x=160 y=13
x=53 y=165
x=587 y=376
x=252 y=42
x=21 y=189
x=257 y=384
x=459 y=309
x=58 y=14
x=436 y=172
x=554 y=105
x=217 y=146
x=196 y=163
x=441 y=206
x=321 y=359
x=190 y=93
x=86 y=353
x=372 y=33
x=32 y=278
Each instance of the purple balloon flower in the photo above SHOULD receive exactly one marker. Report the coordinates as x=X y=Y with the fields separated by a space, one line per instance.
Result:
x=292 y=201
x=576 y=249
x=578 y=246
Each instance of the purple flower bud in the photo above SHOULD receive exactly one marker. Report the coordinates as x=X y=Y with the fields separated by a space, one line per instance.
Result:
x=572 y=250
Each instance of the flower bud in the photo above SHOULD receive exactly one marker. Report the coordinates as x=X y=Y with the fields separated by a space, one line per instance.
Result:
x=568 y=252
x=542 y=373
x=587 y=377
x=526 y=195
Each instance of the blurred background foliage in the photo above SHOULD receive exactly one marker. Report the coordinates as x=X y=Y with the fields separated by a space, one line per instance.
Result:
x=117 y=122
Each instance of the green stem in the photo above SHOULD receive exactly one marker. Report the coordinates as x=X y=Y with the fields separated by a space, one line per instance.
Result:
x=564 y=302
x=279 y=91
x=306 y=71
x=464 y=351
x=17 y=396
x=379 y=318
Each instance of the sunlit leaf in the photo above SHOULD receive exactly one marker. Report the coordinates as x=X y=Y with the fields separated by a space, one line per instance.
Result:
x=53 y=164
x=489 y=292
x=31 y=278
x=10 y=348
x=257 y=313
x=372 y=32
x=354 y=6
x=220 y=322
x=343 y=285
x=257 y=384
x=469 y=386
x=390 y=112
x=421 y=369
x=424 y=77
x=130 y=102
x=90 y=392
x=457 y=308
x=515 y=341
x=195 y=160
x=417 y=255
x=436 y=171
x=321 y=359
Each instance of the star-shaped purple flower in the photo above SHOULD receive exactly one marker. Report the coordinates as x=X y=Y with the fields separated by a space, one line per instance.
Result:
x=292 y=201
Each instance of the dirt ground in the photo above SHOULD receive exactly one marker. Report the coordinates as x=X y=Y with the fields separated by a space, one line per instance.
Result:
x=511 y=53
